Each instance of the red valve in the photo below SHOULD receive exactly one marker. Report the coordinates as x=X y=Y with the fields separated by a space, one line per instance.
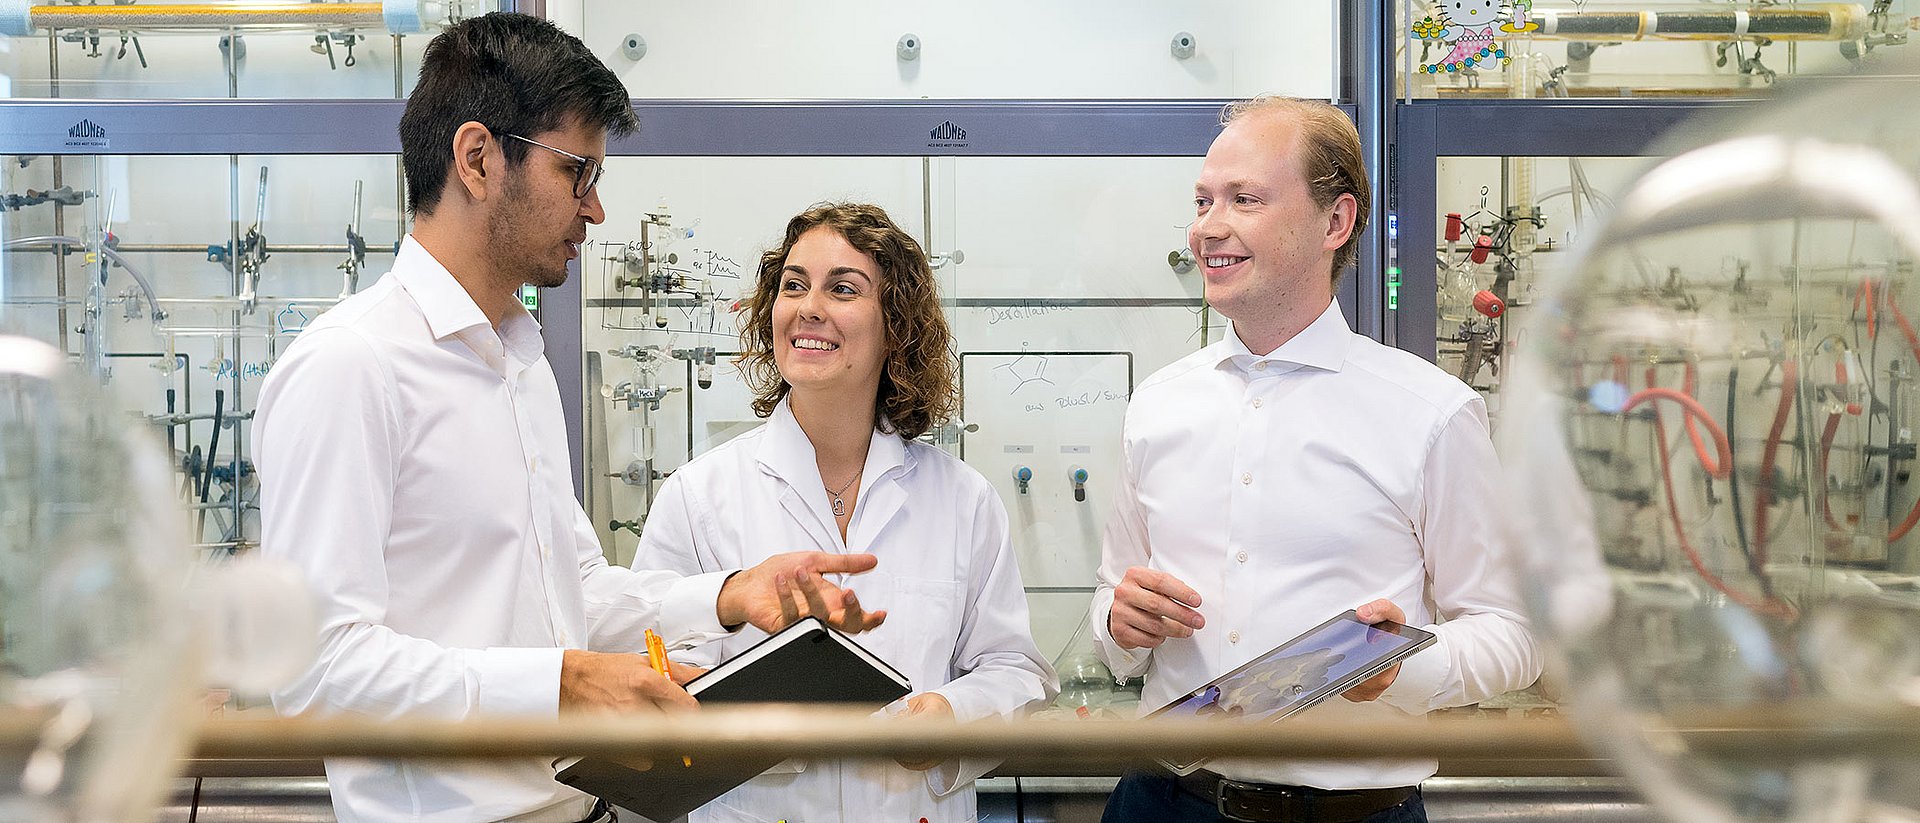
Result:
x=1485 y=302
x=1482 y=245
x=1453 y=226
x=1842 y=370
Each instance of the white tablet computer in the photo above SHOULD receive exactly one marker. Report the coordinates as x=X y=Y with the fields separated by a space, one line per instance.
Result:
x=1324 y=661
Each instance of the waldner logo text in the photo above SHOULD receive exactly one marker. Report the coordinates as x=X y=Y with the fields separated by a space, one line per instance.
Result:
x=88 y=134
x=947 y=135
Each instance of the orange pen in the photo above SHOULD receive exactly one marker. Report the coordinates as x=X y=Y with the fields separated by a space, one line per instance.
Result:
x=657 y=654
x=657 y=657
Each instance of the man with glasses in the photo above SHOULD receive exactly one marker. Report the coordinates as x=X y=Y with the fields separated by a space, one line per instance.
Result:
x=414 y=465
x=586 y=170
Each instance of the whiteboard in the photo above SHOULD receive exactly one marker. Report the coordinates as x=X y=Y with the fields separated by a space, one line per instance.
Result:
x=1050 y=412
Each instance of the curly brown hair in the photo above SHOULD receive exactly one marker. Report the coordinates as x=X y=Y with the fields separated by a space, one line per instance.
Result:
x=917 y=383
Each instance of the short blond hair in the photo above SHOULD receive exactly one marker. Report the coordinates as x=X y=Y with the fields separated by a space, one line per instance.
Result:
x=1330 y=156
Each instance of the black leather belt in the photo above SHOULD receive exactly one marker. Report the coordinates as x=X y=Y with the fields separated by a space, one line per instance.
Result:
x=1272 y=803
x=602 y=813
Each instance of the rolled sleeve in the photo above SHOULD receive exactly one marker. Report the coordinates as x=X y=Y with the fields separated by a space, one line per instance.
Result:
x=518 y=681
x=687 y=612
x=1123 y=662
x=670 y=597
x=947 y=778
x=1123 y=545
x=1485 y=646
x=1422 y=676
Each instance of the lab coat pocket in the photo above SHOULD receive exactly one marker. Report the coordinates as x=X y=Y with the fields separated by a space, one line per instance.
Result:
x=765 y=799
x=908 y=795
x=925 y=615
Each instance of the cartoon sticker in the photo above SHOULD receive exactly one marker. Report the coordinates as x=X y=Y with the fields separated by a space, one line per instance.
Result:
x=1469 y=26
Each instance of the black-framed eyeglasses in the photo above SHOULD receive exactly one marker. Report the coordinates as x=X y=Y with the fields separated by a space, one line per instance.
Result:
x=585 y=176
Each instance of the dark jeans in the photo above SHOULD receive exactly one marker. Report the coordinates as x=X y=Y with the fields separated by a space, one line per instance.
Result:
x=1147 y=798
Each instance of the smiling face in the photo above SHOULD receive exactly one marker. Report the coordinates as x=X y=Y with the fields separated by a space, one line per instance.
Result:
x=1265 y=246
x=1472 y=12
x=828 y=336
x=538 y=225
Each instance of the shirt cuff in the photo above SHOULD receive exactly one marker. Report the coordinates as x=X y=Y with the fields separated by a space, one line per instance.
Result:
x=1124 y=663
x=1421 y=676
x=688 y=614
x=950 y=775
x=517 y=681
x=968 y=704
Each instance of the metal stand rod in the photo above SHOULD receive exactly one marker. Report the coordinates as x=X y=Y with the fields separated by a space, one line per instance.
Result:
x=201 y=248
x=207 y=15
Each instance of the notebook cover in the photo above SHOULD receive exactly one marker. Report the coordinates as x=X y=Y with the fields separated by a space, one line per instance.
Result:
x=807 y=664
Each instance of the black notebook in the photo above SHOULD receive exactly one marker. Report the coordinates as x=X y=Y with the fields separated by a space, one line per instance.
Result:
x=803 y=663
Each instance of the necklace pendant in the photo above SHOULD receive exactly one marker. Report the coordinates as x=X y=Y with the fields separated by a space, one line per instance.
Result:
x=839 y=507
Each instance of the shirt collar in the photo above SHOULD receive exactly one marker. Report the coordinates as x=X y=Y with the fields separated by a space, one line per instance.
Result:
x=444 y=303
x=790 y=455
x=521 y=334
x=1321 y=345
x=449 y=310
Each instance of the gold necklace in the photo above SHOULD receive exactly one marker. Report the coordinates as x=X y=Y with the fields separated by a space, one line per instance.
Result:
x=840 y=505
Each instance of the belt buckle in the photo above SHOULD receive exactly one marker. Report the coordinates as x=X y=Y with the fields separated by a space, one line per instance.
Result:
x=1273 y=801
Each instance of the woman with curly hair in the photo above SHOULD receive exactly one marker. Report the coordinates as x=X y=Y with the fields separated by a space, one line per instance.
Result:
x=850 y=360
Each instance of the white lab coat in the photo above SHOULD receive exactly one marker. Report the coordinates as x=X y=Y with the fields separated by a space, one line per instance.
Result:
x=956 y=611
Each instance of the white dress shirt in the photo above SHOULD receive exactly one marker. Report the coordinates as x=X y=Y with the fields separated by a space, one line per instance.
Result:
x=956 y=612
x=1288 y=488
x=414 y=466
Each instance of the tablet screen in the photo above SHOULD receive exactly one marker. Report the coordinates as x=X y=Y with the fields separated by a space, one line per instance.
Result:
x=1326 y=660
x=1301 y=672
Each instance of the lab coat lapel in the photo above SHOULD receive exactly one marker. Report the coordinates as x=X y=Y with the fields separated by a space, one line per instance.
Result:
x=882 y=494
x=787 y=454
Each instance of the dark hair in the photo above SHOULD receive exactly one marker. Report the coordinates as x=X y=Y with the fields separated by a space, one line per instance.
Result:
x=1329 y=152
x=917 y=391
x=512 y=73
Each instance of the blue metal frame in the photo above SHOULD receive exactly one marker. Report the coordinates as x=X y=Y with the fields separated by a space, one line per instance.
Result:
x=149 y=127
x=924 y=128
x=1369 y=89
x=670 y=128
